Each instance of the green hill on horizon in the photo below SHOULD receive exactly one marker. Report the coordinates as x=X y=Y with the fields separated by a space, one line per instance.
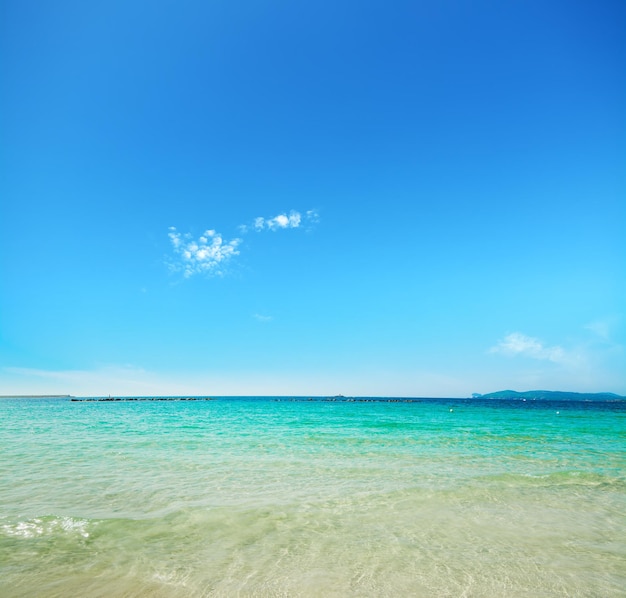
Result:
x=553 y=395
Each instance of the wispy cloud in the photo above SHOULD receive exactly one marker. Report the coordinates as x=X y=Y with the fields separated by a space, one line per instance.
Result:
x=518 y=344
x=262 y=318
x=210 y=253
x=207 y=254
x=595 y=365
x=603 y=330
x=104 y=380
x=282 y=221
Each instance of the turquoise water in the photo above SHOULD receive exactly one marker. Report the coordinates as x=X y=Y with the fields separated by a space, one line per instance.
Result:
x=264 y=497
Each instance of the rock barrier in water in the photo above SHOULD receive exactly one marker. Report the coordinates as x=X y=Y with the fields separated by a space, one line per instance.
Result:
x=127 y=399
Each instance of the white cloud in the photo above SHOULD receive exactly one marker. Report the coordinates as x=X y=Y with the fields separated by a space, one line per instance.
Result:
x=206 y=255
x=209 y=253
x=282 y=221
x=516 y=343
x=583 y=365
x=292 y=220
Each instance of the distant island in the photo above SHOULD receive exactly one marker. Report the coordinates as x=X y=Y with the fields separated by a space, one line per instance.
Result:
x=551 y=395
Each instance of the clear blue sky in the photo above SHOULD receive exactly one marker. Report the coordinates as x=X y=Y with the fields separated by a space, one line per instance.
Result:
x=420 y=198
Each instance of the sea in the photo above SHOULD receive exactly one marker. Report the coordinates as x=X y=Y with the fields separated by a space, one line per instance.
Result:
x=312 y=497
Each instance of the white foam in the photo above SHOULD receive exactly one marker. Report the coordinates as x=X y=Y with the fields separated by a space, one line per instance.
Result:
x=38 y=527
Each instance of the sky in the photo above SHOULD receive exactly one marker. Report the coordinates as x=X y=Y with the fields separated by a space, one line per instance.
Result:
x=262 y=197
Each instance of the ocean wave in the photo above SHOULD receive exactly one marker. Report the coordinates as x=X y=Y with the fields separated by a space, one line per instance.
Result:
x=39 y=527
x=560 y=478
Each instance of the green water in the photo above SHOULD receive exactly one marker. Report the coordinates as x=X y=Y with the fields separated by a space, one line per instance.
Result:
x=311 y=498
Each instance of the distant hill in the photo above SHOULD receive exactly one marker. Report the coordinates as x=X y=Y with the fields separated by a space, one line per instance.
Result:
x=553 y=395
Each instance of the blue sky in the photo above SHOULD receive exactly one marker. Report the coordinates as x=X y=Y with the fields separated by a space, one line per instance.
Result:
x=270 y=197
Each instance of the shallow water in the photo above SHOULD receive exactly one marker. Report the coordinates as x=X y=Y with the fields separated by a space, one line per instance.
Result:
x=263 y=497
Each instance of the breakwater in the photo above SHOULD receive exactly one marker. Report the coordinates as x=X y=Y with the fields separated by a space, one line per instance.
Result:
x=127 y=399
